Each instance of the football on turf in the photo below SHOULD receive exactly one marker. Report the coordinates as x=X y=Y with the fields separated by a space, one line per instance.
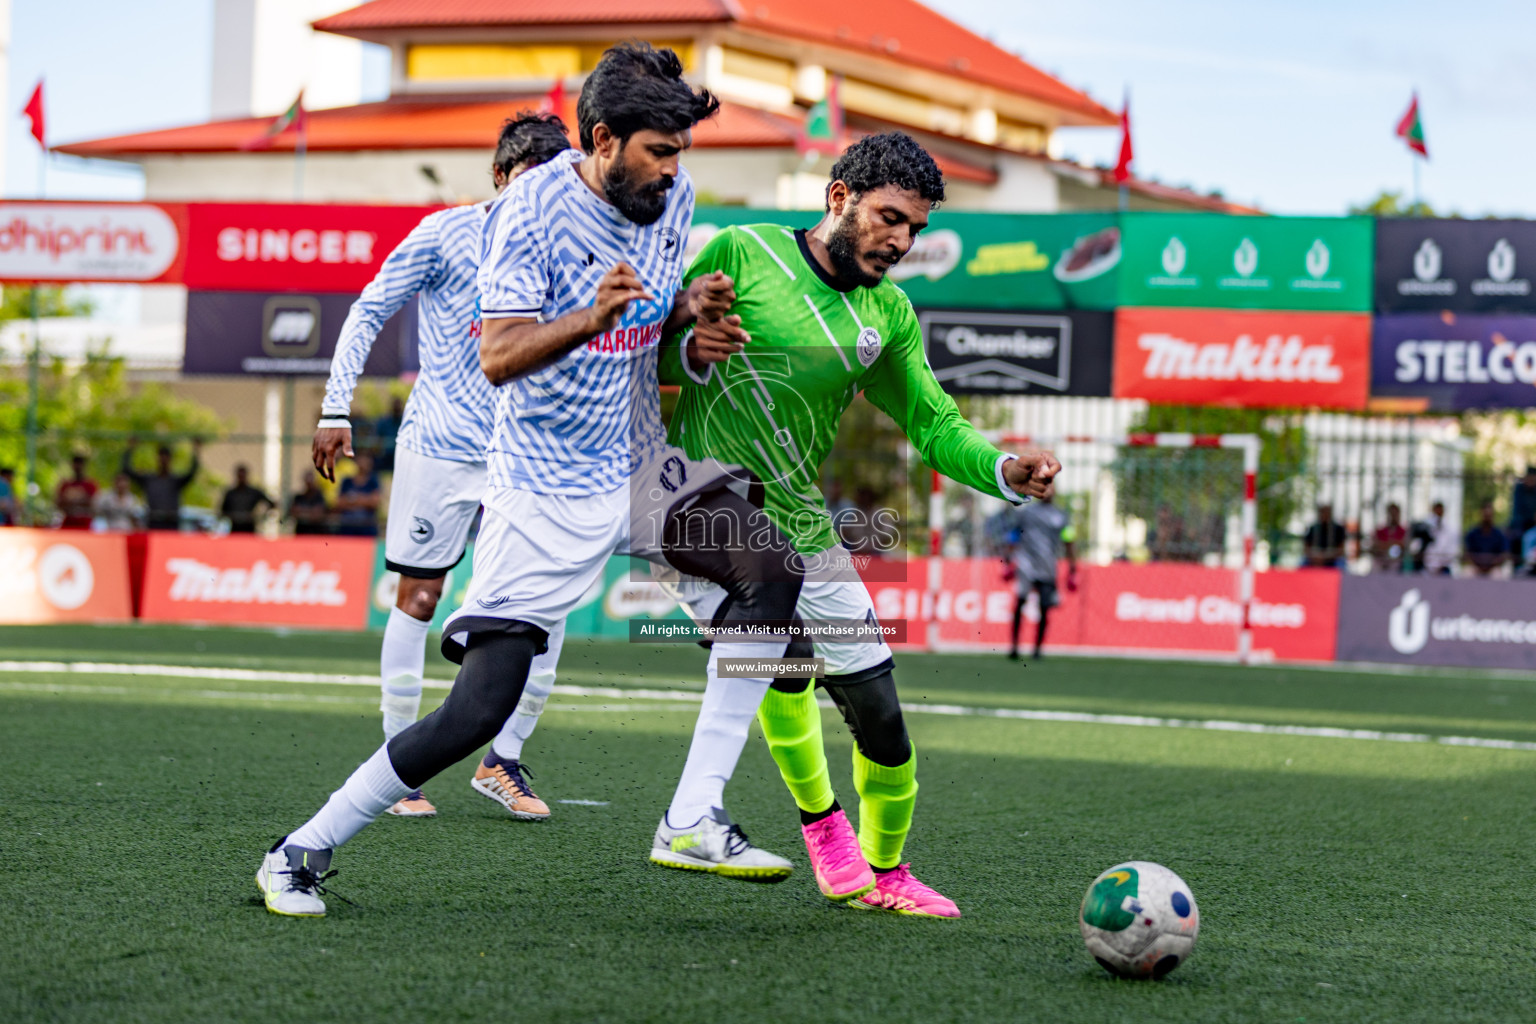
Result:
x=1139 y=920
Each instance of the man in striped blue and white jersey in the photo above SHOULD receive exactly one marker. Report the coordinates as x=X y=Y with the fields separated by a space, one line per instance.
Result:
x=579 y=280
x=440 y=464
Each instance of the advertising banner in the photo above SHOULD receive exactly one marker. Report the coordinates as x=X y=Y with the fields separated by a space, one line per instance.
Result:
x=1483 y=266
x=1243 y=358
x=1219 y=262
x=382 y=593
x=1438 y=620
x=314 y=582
x=59 y=576
x=142 y=243
x=1456 y=360
x=285 y=333
x=980 y=260
x=992 y=352
x=310 y=247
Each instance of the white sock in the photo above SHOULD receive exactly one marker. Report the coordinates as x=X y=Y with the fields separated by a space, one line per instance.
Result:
x=367 y=793
x=508 y=743
x=402 y=660
x=721 y=733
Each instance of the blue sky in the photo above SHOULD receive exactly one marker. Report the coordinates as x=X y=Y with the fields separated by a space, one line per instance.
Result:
x=1287 y=105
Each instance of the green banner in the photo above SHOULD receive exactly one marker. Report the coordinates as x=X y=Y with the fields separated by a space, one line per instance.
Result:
x=981 y=260
x=382 y=597
x=1223 y=262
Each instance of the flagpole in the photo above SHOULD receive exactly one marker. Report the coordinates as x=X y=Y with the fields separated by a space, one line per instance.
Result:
x=1414 y=158
x=34 y=362
x=298 y=167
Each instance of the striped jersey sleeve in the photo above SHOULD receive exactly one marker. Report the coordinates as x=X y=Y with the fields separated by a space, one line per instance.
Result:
x=414 y=265
x=514 y=267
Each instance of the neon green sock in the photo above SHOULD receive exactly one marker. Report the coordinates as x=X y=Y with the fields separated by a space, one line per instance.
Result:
x=792 y=726
x=887 y=797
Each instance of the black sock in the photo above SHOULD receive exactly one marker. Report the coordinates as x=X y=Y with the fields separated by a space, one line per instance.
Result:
x=812 y=817
x=882 y=871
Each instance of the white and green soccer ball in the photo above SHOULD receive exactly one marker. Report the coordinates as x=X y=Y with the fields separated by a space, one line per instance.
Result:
x=1139 y=920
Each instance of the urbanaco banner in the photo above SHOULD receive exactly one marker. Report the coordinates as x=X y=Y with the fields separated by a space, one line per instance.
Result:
x=988 y=261
x=1220 y=262
x=1455 y=361
x=1003 y=352
x=1437 y=620
x=1243 y=358
x=1469 y=265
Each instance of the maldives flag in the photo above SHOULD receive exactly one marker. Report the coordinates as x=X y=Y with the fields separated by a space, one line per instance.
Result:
x=1127 y=154
x=822 y=131
x=34 y=113
x=1411 y=130
x=293 y=118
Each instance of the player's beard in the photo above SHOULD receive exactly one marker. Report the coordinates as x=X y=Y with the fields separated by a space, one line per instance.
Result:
x=843 y=249
x=640 y=203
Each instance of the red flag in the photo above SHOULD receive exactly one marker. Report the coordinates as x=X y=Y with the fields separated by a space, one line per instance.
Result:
x=1127 y=154
x=1411 y=130
x=293 y=118
x=554 y=100
x=34 y=112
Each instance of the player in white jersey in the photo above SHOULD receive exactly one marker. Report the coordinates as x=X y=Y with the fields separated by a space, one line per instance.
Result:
x=579 y=280
x=440 y=461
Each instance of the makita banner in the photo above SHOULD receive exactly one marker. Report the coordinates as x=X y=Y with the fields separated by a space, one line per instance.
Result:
x=1202 y=260
x=993 y=352
x=141 y=243
x=1455 y=361
x=310 y=247
x=285 y=333
x=319 y=582
x=1437 y=620
x=1243 y=358
x=1468 y=265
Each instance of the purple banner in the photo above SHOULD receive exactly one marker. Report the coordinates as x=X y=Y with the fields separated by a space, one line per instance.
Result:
x=1437 y=620
x=1456 y=361
x=271 y=334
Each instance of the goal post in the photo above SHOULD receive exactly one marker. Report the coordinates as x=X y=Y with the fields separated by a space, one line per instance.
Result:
x=1247 y=444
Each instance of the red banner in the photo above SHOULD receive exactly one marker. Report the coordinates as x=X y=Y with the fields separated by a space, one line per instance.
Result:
x=1122 y=608
x=52 y=576
x=274 y=247
x=319 y=582
x=141 y=243
x=1243 y=357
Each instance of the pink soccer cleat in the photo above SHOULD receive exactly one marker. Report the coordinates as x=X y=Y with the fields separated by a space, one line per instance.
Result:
x=841 y=871
x=901 y=893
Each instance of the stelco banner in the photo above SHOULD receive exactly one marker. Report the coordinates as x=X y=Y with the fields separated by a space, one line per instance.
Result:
x=1471 y=265
x=1436 y=620
x=1456 y=361
x=991 y=352
x=316 y=247
x=1212 y=261
x=1243 y=358
x=988 y=261
x=248 y=332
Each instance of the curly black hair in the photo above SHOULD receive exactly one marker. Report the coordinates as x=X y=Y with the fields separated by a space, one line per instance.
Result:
x=530 y=138
x=890 y=158
x=636 y=87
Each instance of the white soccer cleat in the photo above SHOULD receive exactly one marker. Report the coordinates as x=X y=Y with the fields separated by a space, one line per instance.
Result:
x=291 y=879
x=715 y=845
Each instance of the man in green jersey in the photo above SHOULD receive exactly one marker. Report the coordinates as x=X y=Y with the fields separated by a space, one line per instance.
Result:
x=824 y=324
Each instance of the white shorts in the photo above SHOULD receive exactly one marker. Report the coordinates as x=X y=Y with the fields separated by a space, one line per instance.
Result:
x=432 y=503
x=538 y=554
x=832 y=592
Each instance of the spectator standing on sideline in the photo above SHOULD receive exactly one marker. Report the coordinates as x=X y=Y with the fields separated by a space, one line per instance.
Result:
x=1391 y=541
x=119 y=509
x=241 y=502
x=308 y=509
x=1438 y=546
x=1485 y=545
x=1324 y=543
x=7 y=496
x=358 y=502
x=76 y=496
x=1032 y=539
x=1522 y=506
x=162 y=490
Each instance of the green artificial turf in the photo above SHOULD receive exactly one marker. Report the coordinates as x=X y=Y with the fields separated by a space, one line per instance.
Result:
x=1338 y=879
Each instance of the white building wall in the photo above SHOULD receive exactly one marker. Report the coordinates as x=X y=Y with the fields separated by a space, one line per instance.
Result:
x=264 y=52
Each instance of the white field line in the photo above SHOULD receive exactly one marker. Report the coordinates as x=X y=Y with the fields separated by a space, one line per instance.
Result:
x=685 y=699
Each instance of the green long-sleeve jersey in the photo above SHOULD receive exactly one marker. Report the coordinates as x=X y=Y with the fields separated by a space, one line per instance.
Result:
x=774 y=408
